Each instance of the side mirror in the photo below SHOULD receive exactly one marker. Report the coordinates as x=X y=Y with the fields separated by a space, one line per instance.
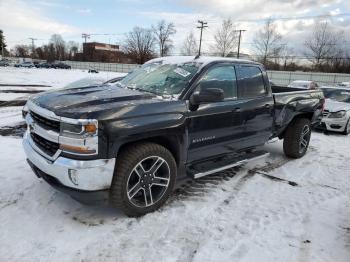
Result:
x=207 y=95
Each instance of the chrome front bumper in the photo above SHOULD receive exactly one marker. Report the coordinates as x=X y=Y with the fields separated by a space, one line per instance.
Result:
x=89 y=175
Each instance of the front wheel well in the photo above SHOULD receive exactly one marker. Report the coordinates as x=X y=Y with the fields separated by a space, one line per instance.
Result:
x=169 y=142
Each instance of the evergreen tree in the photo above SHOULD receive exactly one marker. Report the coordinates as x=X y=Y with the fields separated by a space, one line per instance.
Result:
x=2 y=44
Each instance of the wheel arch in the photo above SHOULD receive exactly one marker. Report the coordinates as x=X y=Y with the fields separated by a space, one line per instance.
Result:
x=307 y=115
x=170 y=142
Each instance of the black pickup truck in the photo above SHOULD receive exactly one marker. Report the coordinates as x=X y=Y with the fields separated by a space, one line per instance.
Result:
x=172 y=119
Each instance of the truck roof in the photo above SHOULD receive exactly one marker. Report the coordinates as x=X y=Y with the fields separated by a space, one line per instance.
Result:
x=203 y=60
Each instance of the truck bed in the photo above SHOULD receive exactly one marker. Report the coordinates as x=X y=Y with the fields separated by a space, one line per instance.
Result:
x=285 y=89
x=290 y=100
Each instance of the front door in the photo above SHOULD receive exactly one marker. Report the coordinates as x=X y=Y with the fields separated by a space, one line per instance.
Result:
x=214 y=127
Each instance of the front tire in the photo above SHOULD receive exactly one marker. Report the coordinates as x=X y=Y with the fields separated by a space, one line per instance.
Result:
x=297 y=138
x=143 y=179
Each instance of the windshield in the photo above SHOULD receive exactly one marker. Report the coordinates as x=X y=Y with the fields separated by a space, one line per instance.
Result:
x=340 y=95
x=167 y=79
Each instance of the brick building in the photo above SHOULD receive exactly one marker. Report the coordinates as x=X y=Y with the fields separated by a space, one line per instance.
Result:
x=100 y=52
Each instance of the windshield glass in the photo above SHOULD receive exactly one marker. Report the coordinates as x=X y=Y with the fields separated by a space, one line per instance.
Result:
x=340 y=95
x=167 y=79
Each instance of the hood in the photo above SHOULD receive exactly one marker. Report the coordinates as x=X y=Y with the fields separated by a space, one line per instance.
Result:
x=335 y=106
x=87 y=101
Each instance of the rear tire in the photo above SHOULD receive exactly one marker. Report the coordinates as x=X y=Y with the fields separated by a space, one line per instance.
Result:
x=297 y=138
x=143 y=179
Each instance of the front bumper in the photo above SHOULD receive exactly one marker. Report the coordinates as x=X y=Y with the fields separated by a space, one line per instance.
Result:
x=89 y=175
x=334 y=124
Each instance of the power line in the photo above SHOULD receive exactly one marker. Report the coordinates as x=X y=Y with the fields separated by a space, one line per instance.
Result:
x=201 y=27
x=287 y=18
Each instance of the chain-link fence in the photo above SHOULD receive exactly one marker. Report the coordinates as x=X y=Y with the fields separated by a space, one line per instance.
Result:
x=113 y=67
x=285 y=77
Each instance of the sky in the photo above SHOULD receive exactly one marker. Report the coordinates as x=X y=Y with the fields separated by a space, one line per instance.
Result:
x=21 y=20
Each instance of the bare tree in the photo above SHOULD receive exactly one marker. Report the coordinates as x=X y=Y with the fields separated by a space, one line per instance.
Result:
x=189 y=46
x=226 y=38
x=72 y=48
x=59 y=45
x=139 y=44
x=163 y=32
x=268 y=42
x=322 y=44
x=21 y=50
x=287 y=56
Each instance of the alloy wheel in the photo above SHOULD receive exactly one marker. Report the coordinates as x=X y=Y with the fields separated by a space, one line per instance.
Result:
x=305 y=138
x=148 y=181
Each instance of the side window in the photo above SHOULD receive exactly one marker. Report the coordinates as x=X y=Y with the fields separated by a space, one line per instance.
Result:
x=250 y=82
x=221 y=76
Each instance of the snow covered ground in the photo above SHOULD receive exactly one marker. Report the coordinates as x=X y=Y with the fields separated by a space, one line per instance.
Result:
x=55 y=78
x=271 y=210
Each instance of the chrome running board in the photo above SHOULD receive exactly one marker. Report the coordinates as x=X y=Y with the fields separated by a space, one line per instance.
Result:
x=239 y=163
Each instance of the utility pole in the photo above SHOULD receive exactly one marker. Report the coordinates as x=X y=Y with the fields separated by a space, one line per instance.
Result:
x=201 y=27
x=33 y=49
x=85 y=36
x=239 y=41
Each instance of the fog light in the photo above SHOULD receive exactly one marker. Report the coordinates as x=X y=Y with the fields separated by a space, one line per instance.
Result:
x=73 y=176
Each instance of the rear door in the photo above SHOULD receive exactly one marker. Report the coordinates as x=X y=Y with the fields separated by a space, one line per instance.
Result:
x=256 y=105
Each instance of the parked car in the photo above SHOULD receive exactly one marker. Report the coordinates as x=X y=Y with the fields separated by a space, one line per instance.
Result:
x=60 y=65
x=44 y=65
x=25 y=64
x=336 y=116
x=4 y=63
x=304 y=84
x=344 y=84
x=174 y=118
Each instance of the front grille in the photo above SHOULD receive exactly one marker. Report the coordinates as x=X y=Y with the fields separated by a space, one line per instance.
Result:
x=45 y=145
x=45 y=122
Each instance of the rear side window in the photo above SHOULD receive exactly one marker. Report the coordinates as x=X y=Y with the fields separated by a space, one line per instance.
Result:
x=250 y=82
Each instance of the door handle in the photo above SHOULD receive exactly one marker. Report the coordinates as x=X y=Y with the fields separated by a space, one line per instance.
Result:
x=267 y=106
x=237 y=110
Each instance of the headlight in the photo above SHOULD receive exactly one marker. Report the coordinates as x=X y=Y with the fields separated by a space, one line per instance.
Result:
x=78 y=130
x=79 y=139
x=339 y=114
